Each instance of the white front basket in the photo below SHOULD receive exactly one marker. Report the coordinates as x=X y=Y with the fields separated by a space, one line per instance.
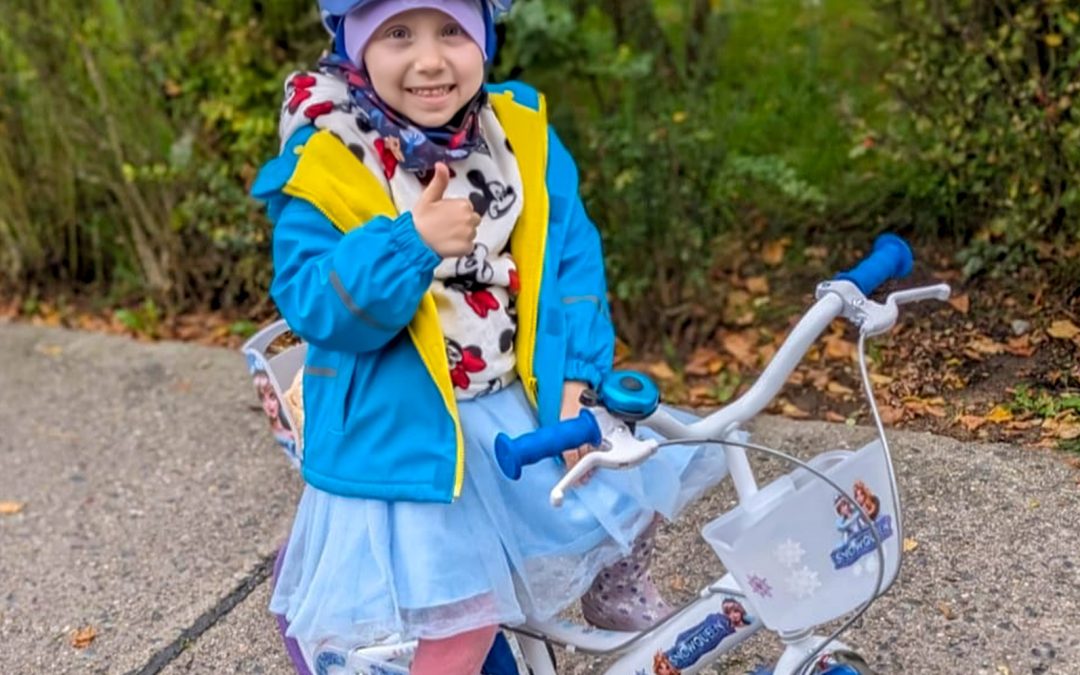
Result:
x=801 y=559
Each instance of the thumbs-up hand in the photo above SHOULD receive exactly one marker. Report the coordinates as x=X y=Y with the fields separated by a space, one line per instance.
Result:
x=447 y=226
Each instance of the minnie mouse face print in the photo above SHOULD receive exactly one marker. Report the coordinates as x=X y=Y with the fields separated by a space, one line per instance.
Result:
x=464 y=362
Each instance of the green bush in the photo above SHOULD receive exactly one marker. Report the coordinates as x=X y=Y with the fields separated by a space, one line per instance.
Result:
x=129 y=131
x=700 y=125
x=988 y=127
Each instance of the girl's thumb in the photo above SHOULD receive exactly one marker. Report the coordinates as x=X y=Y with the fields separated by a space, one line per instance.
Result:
x=437 y=187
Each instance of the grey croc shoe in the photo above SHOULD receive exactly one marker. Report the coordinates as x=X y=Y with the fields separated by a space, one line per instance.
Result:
x=623 y=596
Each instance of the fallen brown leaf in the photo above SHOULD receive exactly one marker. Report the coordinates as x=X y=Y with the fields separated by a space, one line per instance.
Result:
x=11 y=508
x=838 y=389
x=984 y=345
x=999 y=415
x=946 y=611
x=833 y=416
x=701 y=395
x=880 y=380
x=953 y=381
x=661 y=370
x=910 y=545
x=52 y=351
x=836 y=347
x=758 y=285
x=1063 y=329
x=788 y=409
x=772 y=253
x=920 y=406
x=704 y=361
x=1063 y=427
x=83 y=637
x=890 y=415
x=819 y=378
x=961 y=303
x=741 y=346
x=1023 y=425
x=971 y=422
x=1020 y=346
x=48 y=316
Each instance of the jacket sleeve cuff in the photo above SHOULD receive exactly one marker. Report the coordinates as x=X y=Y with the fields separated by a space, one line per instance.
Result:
x=583 y=372
x=405 y=240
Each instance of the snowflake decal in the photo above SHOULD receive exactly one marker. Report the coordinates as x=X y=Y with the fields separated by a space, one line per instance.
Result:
x=759 y=585
x=790 y=553
x=803 y=583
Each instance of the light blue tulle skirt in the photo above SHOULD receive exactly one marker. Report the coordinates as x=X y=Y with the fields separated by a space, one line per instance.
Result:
x=358 y=571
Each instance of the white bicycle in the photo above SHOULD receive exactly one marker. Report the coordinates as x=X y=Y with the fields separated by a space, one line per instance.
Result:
x=818 y=544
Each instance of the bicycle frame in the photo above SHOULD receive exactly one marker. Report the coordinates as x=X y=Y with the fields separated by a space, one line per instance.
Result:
x=690 y=629
x=695 y=632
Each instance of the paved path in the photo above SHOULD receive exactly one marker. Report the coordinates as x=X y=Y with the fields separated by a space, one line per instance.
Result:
x=154 y=500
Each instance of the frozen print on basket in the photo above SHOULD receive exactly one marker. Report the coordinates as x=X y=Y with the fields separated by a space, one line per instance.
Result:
x=276 y=413
x=692 y=645
x=856 y=537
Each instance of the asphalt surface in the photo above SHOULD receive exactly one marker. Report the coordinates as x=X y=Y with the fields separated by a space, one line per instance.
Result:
x=153 y=501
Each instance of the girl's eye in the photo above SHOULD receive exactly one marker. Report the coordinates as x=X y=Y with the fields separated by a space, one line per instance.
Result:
x=398 y=33
x=453 y=30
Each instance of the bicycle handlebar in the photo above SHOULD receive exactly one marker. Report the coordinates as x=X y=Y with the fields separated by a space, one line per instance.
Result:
x=891 y=258
x=514 y=453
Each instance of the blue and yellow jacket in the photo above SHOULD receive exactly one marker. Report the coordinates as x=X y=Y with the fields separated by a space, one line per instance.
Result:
x=351 y=277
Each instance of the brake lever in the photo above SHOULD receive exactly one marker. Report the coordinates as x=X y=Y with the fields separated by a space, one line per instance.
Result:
x=883 y=317
x=568 y=481
x=936 y=292
x=620 y=449
x=875 y=318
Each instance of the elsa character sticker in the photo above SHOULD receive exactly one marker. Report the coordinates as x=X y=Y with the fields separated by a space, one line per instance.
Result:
x=693 y=644
x=856 y=536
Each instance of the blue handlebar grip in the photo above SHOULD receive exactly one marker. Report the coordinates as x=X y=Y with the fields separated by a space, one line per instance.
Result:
x=515 y=453
x=890 y=259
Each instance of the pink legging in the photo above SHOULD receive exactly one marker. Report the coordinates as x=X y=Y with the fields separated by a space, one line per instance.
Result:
x=462 y=654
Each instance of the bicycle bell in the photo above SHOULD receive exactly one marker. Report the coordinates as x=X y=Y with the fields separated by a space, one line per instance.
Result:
x=627 y=394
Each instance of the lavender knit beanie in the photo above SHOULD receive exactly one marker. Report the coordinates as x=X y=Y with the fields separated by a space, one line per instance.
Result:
x=361 y=23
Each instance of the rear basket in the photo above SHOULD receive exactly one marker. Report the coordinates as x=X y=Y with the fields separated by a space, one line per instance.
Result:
x=272 y=376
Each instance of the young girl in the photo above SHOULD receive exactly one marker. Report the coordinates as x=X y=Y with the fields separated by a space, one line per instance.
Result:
x=431 y=247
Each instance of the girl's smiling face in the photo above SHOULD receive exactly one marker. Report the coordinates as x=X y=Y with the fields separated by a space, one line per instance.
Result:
x=423 y=64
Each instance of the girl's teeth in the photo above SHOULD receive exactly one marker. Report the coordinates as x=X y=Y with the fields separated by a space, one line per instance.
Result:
x=440 y=91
